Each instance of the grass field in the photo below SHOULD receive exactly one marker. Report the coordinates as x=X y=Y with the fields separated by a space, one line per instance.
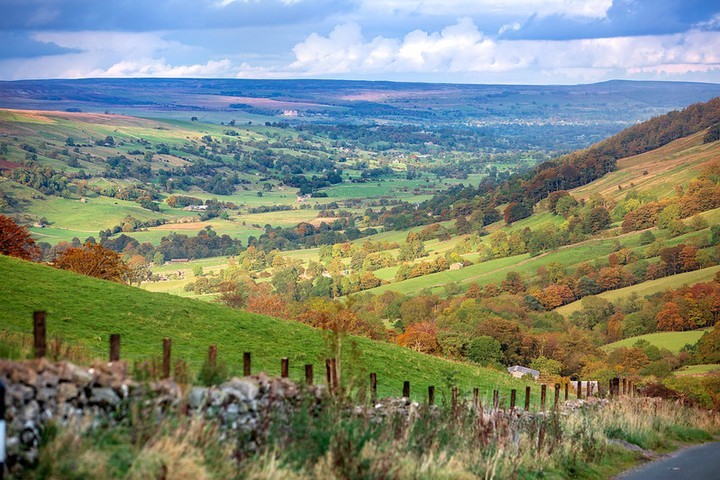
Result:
x=698 y=369
x=673 y=341
x=649 y=287
x=85 y=311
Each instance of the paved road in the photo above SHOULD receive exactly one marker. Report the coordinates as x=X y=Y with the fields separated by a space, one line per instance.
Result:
x=700 y=462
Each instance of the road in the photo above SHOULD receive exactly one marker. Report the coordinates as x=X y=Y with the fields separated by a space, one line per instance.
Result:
x=698 y=462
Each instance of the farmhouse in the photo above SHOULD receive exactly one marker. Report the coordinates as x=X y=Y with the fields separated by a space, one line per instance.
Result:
x=518 y=371
x=456 y=266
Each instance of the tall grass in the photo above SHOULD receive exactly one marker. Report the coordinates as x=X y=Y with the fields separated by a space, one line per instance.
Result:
x=332 y=440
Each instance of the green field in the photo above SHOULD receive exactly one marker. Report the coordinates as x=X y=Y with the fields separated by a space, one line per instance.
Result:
x=649 y=287
x=673 y=341
x=85 y=311
x=698 y=369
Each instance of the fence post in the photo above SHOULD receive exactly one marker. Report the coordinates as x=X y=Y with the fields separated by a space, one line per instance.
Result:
x=579 y=389
x=431 y=395
x=246 y=364
x=476 y=397
x=527 y=398
x=284 y=367
x=557 y=396
x=2 y=430
x=308 y=374
x=406 y=389
x=630 y=388
x=513 y=394
x=624 y=386
x=212 y=355
x=454 y=398
x=543 y=395
x=373 y=387
x=496 y=399
x=114 y=347
x=39 y=334
x=541 y=437
x=167 y=345
x=567 y=391
x=334 y=372
x=328 y=375
x=588 y=390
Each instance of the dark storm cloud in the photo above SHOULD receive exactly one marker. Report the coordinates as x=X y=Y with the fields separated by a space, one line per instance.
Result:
x=624 y=18
x=144 y=15
x=21 y=45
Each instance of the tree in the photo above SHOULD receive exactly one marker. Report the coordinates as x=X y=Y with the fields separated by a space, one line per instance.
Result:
x=546 y=366
x=421 y=337
x=94 y=260
x=708 y=347
x=484 y=350
x=598 y=219
x=15 y=240
x=669 y=318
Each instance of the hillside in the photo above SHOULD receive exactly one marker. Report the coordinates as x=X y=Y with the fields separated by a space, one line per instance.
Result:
x=84 y=311
x=657 y=171
x=672 y=341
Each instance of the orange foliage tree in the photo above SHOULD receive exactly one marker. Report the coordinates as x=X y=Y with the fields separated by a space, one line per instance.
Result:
x=421 y=337
x=94 y=260
x=15 y=240
x=669 y=318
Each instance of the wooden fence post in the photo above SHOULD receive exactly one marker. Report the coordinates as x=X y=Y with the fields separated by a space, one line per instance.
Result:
x=406 y=389
x=543 y=395
x=454 y=398
x=212 y=355
x=527 y=398
x=557 y=396
x=588 y=390
x=579 y=389
x=328 y=375
x=567 y=391
x=284 y=367
x=246 y=364
x=541 y=437
x=334 y=373
x=39 y=333
x=308 y=374
x=513 y=394
x=167 y=345
x=496 y=399
x=373 y=387
x=624 y=386
x=431 y=395
x=114 y=347
x=476 y=397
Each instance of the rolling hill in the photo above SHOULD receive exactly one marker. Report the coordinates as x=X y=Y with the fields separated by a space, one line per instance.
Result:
x=84 y=311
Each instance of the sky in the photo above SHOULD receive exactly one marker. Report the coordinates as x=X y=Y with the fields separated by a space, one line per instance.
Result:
x=448 y=41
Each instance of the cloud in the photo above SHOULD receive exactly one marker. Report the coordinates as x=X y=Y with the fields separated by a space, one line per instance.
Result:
x=461 y=48
x=23 y=45
x=143 y=15
x=567 y=8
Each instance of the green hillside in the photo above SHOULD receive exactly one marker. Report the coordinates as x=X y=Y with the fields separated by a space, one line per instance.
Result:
x=85 y=311
x=649 y=287
x=673 y=341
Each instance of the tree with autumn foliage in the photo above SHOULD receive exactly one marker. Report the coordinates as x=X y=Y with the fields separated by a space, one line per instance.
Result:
x=15 y=240
x=94 y=260
x=669 y=318
x=421 y=337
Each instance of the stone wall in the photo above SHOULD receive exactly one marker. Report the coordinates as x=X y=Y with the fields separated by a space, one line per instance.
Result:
x=39 y=391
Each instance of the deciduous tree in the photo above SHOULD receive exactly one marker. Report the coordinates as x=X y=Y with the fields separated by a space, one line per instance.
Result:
x=15 y=240
x=94 y=260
